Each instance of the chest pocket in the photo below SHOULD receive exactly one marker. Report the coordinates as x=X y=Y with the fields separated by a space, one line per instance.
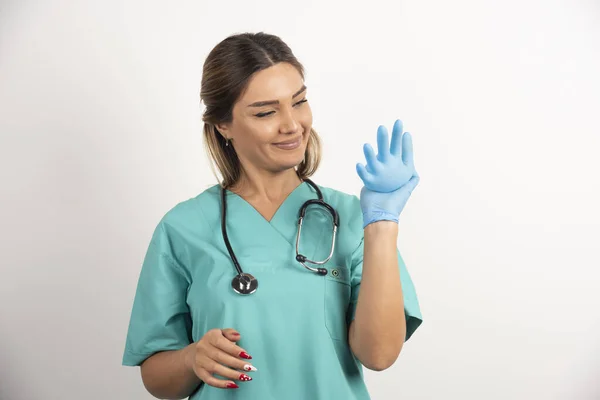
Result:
x=336 y=301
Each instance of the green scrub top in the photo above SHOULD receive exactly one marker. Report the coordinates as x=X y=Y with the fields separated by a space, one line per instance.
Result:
x=295 y=326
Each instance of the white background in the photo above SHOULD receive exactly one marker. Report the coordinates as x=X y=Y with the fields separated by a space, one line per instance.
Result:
x=101 y=135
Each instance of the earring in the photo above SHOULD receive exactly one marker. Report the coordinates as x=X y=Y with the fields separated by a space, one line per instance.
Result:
x=227 y=142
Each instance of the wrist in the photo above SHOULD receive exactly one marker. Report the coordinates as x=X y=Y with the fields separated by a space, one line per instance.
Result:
x=188 y=357
x=381 y=228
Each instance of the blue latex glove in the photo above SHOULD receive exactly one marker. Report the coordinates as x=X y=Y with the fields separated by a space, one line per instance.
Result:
x=389 y=178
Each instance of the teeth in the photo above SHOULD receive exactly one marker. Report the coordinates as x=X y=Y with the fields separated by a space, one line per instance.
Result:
x=249 y=367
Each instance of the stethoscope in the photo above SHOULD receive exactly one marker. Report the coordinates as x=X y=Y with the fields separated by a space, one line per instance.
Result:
x=245 y=283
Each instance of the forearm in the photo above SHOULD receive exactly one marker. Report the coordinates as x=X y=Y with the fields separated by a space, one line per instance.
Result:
x=169 y=374
x=377 y=333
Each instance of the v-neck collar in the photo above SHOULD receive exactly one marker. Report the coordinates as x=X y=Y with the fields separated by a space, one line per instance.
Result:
x=289 y=198
x=285 y=217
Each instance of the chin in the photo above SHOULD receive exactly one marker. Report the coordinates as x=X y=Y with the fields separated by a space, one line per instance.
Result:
x=289 y=165
x=290 y=162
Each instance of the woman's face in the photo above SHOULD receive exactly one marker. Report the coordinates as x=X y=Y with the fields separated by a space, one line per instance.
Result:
x=271 y=120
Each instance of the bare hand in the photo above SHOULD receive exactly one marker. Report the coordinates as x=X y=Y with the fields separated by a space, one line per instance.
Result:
x=217 y=353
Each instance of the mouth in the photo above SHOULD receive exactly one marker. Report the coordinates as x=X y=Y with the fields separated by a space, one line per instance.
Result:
x=289 y=144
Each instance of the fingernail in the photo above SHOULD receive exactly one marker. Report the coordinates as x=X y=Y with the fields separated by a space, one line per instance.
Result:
x=245 y=355
x=244 y=377
x=249 y=367
x=235 y=334
x=232 y=386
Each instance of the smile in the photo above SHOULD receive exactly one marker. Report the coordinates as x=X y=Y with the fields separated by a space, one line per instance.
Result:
x=289 y=145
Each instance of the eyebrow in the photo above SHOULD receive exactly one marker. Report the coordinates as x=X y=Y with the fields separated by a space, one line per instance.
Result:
x=269 y=102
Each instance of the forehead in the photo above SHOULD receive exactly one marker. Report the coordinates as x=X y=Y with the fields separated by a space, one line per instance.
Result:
x=278 y=82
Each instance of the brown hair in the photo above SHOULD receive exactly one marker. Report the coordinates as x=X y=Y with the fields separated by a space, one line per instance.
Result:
x=227 y=70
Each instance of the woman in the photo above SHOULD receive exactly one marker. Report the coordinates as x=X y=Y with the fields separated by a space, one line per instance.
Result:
x=198 y=327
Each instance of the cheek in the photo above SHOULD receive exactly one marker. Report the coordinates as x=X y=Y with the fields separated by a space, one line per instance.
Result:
x=306 y=118
x=257 y=132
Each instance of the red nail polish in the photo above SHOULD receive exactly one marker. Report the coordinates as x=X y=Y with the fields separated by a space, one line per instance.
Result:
x=245 y=355
x=235 y=334
x=244 y=377
x=232 y=386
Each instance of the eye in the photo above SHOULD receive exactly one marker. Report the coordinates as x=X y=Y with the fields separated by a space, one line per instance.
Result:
x=262 y=115
x=300 y=102
x=265 y=114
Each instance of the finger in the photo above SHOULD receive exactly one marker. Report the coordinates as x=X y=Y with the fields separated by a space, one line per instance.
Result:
x=365 y=175
x=362 y=172
x=396 y=145
x=223 y=358
x=210 y=380
x=231 y=334
x=230 y=348
x=383 y=143
x=372 y=163
x=407 y=150
x=412 y=184
x=229 y=373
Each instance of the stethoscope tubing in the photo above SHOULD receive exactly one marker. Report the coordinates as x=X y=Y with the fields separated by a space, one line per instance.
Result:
x=244 y=283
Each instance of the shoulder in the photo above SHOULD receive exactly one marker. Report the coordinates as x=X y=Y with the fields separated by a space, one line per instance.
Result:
x=193 y=214
x=337 y=196
x=339 y=199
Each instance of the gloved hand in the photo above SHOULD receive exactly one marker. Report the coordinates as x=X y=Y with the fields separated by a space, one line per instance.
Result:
x=389 y=178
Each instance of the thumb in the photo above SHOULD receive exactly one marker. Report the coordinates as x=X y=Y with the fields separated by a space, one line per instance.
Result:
x=412 y=184
x=231 y=334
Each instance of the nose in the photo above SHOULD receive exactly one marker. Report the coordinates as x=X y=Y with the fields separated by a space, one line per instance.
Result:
x=288 y=125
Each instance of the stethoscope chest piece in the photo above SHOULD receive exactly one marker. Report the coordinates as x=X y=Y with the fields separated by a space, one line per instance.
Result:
x=244 y=283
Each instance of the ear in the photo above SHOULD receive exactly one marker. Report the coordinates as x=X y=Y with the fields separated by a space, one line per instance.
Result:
x=223 y=129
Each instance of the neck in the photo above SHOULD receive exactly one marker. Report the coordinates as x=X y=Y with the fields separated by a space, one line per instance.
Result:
x=264 y=185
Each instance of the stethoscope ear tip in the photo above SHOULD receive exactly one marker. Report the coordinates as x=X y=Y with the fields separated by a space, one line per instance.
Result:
x=322 y=271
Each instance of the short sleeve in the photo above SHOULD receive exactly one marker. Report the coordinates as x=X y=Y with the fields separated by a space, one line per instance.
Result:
x=160 y=318
x=412 y=309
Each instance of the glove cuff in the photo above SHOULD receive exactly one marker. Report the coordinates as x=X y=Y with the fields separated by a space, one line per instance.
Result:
x=374 y=216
